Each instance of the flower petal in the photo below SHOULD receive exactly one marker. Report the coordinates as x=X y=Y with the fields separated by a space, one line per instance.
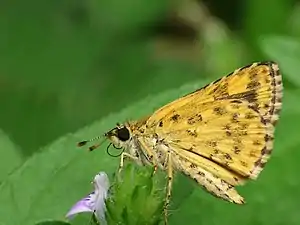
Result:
x=84 y=205
x=94 y=202
x=101 y=184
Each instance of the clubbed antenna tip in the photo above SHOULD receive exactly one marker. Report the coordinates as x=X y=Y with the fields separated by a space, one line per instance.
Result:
x=82 y=143
x=93 y=147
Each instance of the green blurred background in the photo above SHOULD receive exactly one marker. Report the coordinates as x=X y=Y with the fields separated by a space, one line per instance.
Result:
x=67 y=63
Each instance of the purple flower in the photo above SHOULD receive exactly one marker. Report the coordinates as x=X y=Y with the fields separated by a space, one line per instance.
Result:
x=95 y=201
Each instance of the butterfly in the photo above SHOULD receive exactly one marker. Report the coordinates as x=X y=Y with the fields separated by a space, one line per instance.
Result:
x=220 y=135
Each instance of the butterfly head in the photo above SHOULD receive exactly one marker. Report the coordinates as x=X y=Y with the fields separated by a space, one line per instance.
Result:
x=118 y=136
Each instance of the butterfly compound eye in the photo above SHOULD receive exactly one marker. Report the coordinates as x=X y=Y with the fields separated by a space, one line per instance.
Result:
x=123 y=134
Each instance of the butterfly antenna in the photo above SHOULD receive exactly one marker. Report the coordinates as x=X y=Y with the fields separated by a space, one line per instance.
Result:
x=93 y=147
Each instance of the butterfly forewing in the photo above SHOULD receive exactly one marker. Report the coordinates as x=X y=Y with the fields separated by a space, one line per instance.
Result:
x=230 y=122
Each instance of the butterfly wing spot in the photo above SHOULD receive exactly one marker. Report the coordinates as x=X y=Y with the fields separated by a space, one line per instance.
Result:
x=175 y=118
x=257 y=142
x=244 y=164
x=249 y=115
x=236 y=150
x=211 y=143
x=253 y=84
x=192 y=133
x=193 y=166
x=227 y=156
x=237 y=102
x=235 y=117
x=219 y=111
x=228 y=133
x=194 y=119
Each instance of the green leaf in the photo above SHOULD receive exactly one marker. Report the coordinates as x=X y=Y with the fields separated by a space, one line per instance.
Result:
x=10 y=157
x=285 y=51
x=51 y=181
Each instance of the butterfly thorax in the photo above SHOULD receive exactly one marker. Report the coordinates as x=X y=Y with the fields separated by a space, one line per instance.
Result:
x=153 y=147
x=139 y=141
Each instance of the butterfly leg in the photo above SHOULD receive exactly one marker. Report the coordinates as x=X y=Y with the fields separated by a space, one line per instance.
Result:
x=126 y=155
x=169 y=167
